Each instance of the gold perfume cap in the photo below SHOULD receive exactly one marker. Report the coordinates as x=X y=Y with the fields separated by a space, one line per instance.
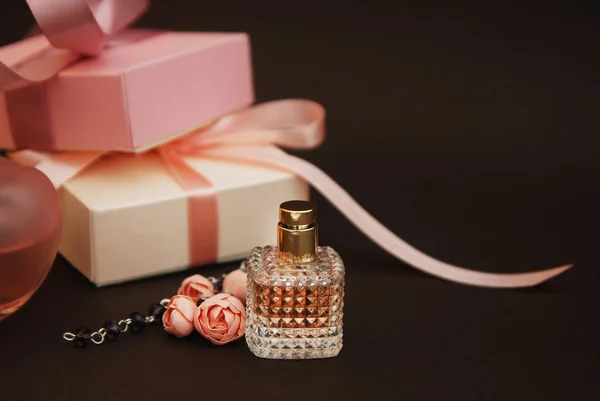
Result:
x=297 y=214
x=297 y=231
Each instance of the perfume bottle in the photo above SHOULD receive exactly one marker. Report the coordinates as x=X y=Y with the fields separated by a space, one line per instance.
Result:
x=295 y=293
x=30 y=227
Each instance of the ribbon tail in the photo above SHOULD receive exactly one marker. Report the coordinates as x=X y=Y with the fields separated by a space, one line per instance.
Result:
x=58 y=167
x=376 y=231
x=34 y=61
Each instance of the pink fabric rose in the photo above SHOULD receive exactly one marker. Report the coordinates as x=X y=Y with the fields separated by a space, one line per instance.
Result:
x=221 y=319
x=235 y=284
x=196 y=287
x=178 y=319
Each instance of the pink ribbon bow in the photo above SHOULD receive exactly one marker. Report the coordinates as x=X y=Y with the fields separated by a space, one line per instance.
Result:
x=72 y=29
x=241 y=138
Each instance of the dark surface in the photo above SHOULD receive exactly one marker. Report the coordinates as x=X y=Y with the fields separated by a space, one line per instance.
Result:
x=472 y=132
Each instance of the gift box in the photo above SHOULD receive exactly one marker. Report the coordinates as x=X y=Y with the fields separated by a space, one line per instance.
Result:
x=126 y=217
x=145 y=88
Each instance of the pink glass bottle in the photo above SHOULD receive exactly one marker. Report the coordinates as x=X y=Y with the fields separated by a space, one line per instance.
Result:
x=30 y=226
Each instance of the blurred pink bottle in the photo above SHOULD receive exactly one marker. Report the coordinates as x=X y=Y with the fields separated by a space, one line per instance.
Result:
x=30 y=226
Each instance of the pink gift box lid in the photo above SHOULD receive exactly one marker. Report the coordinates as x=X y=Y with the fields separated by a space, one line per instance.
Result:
x=145 y=89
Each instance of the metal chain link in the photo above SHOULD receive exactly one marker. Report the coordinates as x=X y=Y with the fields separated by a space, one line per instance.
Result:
x=98 y=337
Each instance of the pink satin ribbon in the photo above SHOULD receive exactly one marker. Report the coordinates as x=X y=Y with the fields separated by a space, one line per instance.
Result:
x=72 y=29
x=240 y=138
x=203 y=212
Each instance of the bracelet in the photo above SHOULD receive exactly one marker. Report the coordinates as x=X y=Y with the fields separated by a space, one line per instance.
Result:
x=182 y=313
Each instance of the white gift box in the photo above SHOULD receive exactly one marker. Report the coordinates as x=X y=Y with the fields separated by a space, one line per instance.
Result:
x=126 y=217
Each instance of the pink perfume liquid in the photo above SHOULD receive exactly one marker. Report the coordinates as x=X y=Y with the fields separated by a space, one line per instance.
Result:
x=30 y=227
x=23 y=269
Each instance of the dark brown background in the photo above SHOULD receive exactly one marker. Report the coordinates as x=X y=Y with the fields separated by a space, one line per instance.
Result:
x=470 y=130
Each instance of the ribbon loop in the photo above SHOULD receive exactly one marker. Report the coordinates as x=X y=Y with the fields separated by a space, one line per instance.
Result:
x=290 y=123
x=84 y=25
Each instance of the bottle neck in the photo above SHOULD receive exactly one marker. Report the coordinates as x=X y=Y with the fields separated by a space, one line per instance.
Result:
x=297 y=244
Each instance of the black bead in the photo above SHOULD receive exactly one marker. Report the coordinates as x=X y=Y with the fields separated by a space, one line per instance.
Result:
x=112 y=330
x=156 y=311
x=138 y=321
x=83 y=336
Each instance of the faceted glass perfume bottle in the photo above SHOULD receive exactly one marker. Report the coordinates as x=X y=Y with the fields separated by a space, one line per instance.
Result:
x=295 y=291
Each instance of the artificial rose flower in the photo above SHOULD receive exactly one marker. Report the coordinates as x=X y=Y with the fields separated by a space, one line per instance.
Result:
x=221 y=319
x=196 y=287
x=178 y=319
x=235 y=284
